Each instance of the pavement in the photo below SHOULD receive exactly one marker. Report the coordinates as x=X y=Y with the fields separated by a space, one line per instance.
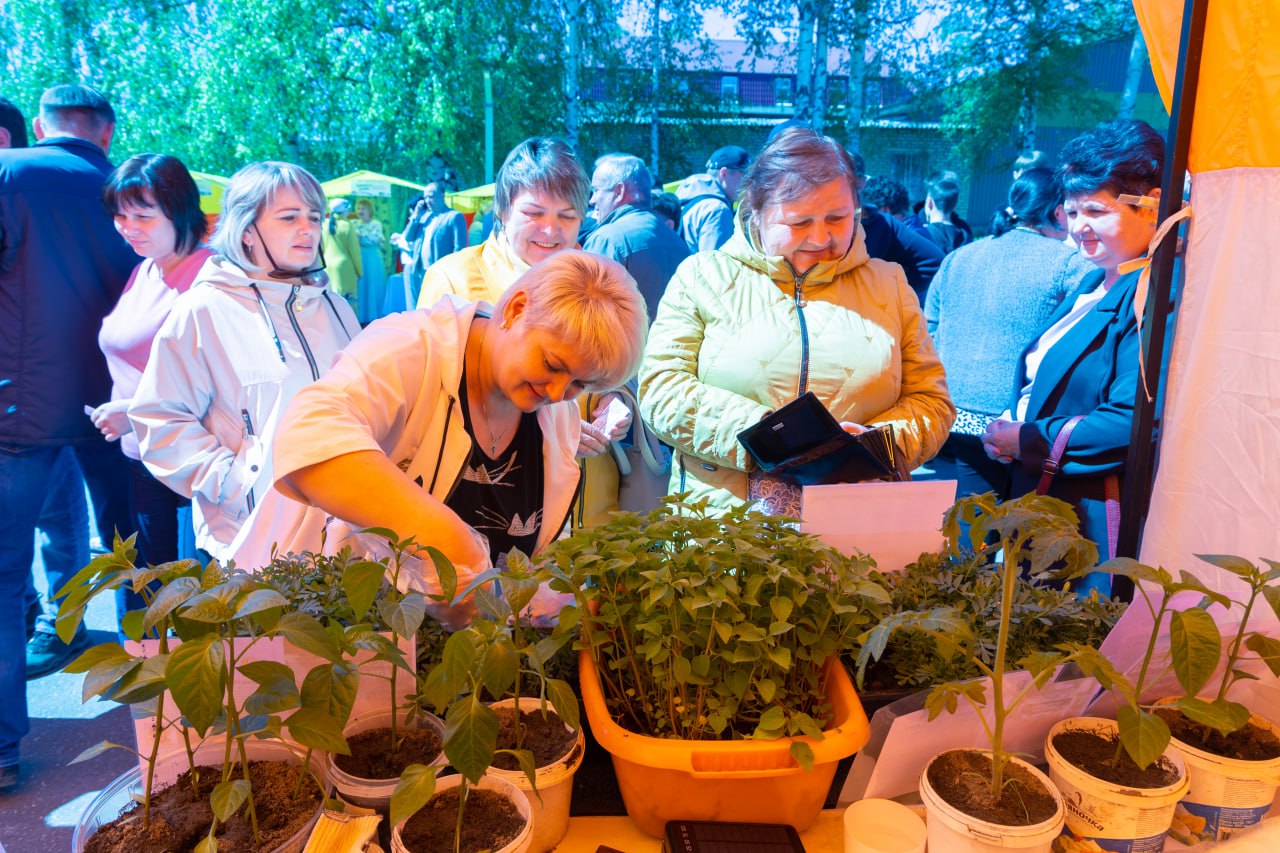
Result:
x=40 y=816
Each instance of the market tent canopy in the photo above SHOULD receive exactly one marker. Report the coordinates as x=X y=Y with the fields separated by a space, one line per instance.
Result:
x=366 y=184
x=1215 y=489
x=211 y=188
x=472 y=201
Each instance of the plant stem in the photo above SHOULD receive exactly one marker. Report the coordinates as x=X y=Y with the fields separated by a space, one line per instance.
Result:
x=1008 y=576
x=464 y=787
x=1234 y=655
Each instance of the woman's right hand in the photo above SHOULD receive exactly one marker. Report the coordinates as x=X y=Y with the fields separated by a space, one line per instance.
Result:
x=112 y=419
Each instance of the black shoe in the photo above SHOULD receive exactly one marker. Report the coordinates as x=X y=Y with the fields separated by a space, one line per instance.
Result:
x=46 y=653
x=9 y=778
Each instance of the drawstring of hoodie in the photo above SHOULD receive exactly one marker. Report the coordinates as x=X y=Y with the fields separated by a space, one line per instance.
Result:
x=262 y=305
x=338 y=317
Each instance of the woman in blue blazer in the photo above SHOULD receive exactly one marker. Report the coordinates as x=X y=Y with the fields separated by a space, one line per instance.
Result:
x=1086 y=361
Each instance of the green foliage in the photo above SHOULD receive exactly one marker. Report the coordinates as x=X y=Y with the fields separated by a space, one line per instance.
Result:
x=217 y=615
x=968 y=583
x=1195 y=651
x=335 y=589
x=707 y=627
x=1034 y=534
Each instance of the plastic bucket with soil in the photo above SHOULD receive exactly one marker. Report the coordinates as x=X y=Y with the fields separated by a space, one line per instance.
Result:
x=498 y=818
x=173 y=802
x=558 y=752
x=368 y=776
x=1227 y=795
x=1034 y=817
x=1117 y=808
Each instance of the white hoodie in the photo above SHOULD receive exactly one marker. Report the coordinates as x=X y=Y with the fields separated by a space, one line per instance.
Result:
x=233 y=352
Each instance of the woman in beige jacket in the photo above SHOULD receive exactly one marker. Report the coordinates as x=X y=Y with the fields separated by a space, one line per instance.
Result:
x=791 y=303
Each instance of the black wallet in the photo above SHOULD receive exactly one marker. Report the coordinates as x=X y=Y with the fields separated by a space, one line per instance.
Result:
x=802 y=442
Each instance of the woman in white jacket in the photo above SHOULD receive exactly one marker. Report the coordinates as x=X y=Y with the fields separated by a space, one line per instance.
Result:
x=438 y=423
x=256 y=326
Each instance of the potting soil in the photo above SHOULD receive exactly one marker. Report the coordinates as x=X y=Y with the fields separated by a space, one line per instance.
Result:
x=963 y=779
x=1101 y=757
x=546 y=737
x=372 y=757
x=491 y=822
x=1250 y=743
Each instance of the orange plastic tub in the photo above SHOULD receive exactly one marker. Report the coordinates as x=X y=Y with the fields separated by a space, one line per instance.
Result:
x=754 y=781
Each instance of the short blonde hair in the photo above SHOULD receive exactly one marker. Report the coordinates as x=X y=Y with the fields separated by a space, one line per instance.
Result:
x=249 y=191
x=592 y=303
x=541 y=164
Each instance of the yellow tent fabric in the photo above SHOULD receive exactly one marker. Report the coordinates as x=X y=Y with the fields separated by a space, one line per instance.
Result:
x=211 y=188
x=365 y=183
x=1237 y=119
x=474 y=200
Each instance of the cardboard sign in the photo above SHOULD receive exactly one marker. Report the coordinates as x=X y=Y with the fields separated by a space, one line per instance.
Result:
x=370 y=188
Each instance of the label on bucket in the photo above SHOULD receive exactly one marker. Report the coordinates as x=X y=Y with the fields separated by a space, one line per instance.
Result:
x=1196 y=822
x=1069 y=842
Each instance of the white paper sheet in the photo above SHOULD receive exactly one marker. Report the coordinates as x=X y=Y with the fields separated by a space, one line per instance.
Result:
x=893 y=522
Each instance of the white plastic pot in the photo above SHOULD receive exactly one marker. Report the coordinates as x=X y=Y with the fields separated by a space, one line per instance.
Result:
x=521 y=843
x=119 y=796
x=882 y=826
x=555 y=786
x=376 y=793
x=1227 y=795
x=953 y=831
x=1115 y=817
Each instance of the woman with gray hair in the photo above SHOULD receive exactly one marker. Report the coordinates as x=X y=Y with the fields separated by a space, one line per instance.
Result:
x=443 y=422
x=256 y=326
x=792 y=303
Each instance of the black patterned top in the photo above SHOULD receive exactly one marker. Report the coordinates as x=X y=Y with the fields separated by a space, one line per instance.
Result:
x=502 y=497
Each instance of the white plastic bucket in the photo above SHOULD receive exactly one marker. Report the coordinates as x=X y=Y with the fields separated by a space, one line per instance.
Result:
x=1114 y=817
x=376 y=793
x=953 y=831
x=521 y=843
x=120 y=795
x=555 y=785
x=882 y=826
x=1227 y=795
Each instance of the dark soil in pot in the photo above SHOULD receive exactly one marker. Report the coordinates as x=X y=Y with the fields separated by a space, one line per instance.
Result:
x=372 y=758
x=546 y=737
x=1250 y=743
x=180 y=818
x=963 y=779
x=1101 y=756
x=491 y=822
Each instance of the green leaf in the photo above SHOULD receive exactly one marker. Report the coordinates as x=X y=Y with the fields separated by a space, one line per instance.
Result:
x=1142 y=734
x=1222 y=716
x=208 y=844
x=500 y=668
x=173 y=594
x=771 y=723
x=1195 y=646
x=196 y=679
x=1238 y=566
x=404 y=616
x=306 y=633
x=276 y=691
x=524 y=758
x=1271 y=592
x=803 y=754
x=361 y=581
x=565 y=702
x=781 y=608
x=259 y=600
x=767 y=688
x=519 y=592
x=209 y=606
x=228 y=797
x=1267 y=650
x=112 y=653
x=417 y=784
x=447 y=574
x=97 y=749
x=470 y=737
x=331 y=689
x=315 y=728
x=139 y=684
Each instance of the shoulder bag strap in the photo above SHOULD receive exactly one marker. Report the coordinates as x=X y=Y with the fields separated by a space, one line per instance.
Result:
x=1111 y=484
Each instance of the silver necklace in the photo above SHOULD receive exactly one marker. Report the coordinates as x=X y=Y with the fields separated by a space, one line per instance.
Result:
x=494 y=440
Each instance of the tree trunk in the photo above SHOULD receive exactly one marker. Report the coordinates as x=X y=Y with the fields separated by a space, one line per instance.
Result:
x=820 y=71
x=804 y=62
x=654 y=114
x=856 y=89
x=1027 y=121
x=571 y=55
x=1133 y=75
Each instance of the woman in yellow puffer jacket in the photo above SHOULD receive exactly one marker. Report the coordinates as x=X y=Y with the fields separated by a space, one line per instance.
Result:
x=791 y=303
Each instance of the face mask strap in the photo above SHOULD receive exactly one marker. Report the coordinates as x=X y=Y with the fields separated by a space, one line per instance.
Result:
x=315 y=276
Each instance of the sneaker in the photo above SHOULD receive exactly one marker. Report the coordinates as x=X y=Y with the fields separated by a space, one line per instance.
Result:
x=46 y=653
x=9 y=778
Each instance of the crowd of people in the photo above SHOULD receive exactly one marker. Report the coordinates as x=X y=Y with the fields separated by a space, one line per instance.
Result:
x=236 y=384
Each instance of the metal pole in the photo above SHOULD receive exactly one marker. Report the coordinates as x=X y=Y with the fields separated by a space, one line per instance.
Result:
x=1140 y=463
x=488 y=127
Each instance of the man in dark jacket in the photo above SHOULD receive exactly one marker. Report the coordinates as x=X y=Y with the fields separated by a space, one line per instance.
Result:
x=890 y=240
x=629 y=232
x=62 y=267
x=707 y=199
